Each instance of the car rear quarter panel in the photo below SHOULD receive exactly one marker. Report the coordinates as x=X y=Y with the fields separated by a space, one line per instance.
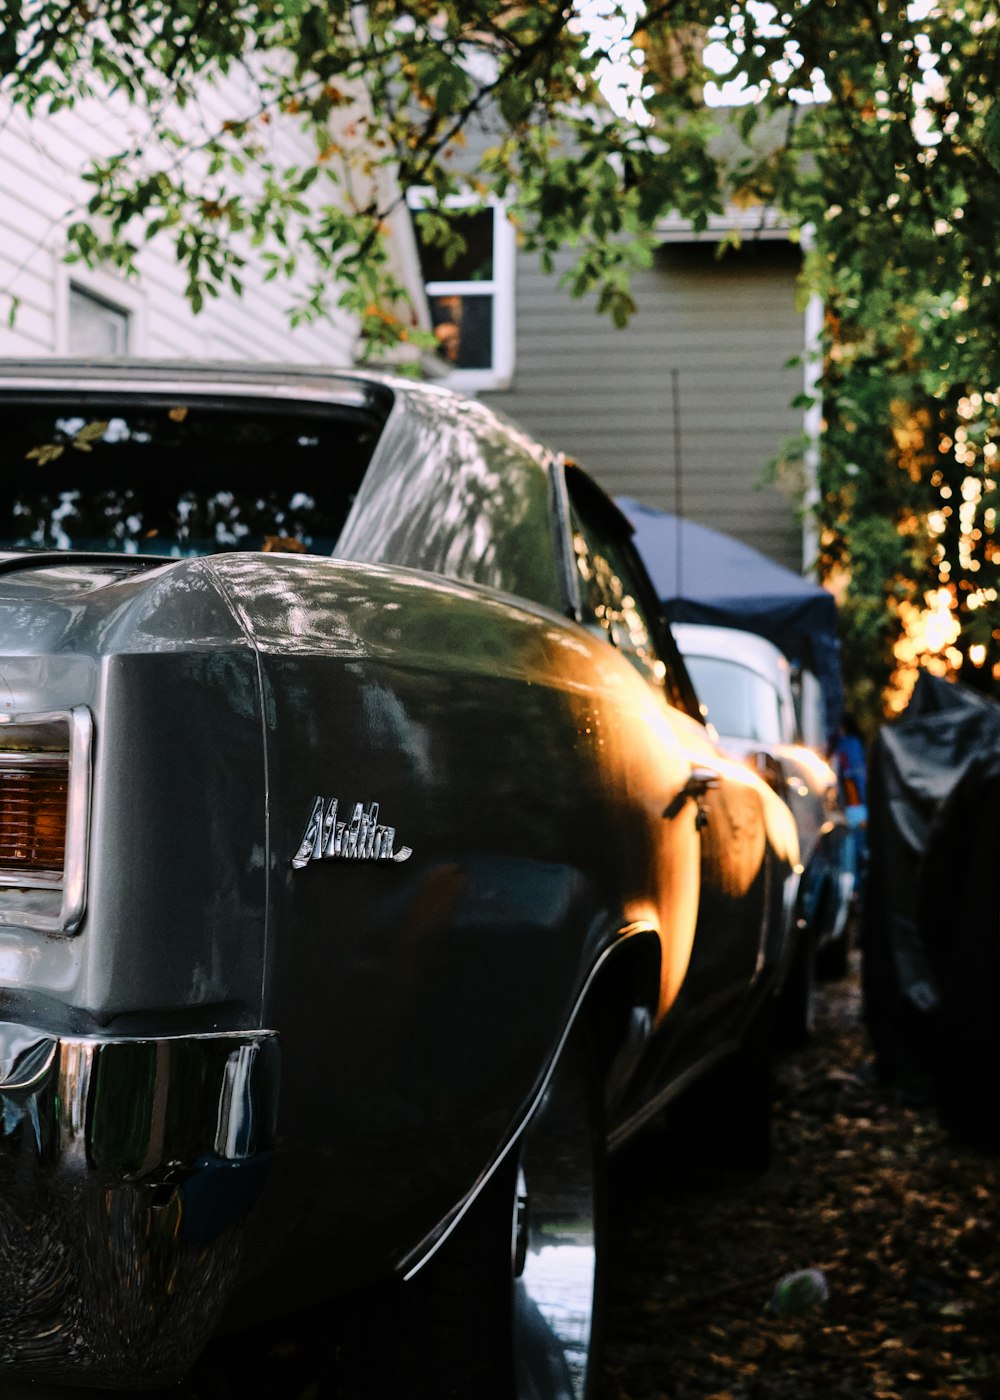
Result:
x=418 y=1003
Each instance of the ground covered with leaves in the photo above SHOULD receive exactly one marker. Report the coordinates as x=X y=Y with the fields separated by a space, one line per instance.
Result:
x=900 y=1219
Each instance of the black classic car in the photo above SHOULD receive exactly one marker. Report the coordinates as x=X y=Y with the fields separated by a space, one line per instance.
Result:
x=366 y=871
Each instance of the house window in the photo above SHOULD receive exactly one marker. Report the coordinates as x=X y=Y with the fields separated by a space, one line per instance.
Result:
x=96 y=326
x=471 y=300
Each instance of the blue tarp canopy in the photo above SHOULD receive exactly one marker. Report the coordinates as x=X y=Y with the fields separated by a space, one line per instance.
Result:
x=704 y=576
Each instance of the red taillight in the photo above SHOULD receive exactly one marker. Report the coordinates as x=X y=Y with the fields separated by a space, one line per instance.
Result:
x=34 y=792
x=45 y=769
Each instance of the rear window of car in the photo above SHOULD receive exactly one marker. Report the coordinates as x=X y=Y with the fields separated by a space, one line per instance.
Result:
x=180 y=478
x=741 y=704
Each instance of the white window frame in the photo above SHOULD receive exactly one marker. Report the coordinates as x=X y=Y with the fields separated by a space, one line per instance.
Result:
x=102 y=286
x=500 y=287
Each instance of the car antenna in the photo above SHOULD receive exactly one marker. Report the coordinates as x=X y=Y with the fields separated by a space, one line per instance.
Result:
x=675 y=387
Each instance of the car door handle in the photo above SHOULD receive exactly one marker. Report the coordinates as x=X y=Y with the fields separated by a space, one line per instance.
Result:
x=700 y=781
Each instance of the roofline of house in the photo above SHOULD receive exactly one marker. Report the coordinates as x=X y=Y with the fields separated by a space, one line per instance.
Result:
x=761 y=222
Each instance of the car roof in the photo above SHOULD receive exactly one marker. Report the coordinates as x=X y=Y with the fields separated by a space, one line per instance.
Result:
x=732 y=644
x=208 y=377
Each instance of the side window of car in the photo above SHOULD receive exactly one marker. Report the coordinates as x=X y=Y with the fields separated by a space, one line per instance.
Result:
x=457 y=491
x=611 y=598
x=616 y=598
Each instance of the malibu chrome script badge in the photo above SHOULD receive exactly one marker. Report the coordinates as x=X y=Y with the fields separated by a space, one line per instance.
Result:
x=325 y=838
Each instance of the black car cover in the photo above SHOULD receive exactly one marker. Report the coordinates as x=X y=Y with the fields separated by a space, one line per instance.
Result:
x=931 y=938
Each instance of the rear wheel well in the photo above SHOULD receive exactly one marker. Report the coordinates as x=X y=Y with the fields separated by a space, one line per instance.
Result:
x=620 y=1009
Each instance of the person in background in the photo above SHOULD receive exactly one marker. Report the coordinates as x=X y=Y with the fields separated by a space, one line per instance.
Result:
x=850 y=764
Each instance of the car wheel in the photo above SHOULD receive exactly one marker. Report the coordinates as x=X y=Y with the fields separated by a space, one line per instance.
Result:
x=832 y=961
x=724 y=1120
x=556 y=1239
x=796 y=1009
x=508 y=1309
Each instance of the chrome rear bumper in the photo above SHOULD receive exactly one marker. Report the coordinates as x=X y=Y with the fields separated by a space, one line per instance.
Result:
x=128 y=1168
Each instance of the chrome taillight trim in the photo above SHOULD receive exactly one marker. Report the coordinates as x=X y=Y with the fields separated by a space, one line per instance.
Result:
x=73 y=878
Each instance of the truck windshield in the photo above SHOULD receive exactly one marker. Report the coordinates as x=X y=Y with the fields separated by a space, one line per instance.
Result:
x=180 y=478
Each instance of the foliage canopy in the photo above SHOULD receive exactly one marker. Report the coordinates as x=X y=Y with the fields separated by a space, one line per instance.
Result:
x=894 y=173
x=386 y=93
x=872 y=128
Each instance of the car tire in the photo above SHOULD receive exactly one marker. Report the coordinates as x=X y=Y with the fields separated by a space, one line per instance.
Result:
x=833 y=960
x=723 y=1122
x=509 y=1307
x=796 y=1008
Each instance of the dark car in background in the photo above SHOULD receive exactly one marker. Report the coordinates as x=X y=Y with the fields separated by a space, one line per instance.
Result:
x=366 y=870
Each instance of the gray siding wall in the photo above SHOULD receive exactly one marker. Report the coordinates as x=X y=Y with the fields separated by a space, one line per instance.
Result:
x=604 y=395
x=41 y=190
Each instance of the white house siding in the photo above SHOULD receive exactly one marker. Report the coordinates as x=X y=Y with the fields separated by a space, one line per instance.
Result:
x=41 y=191
x=604 y=396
